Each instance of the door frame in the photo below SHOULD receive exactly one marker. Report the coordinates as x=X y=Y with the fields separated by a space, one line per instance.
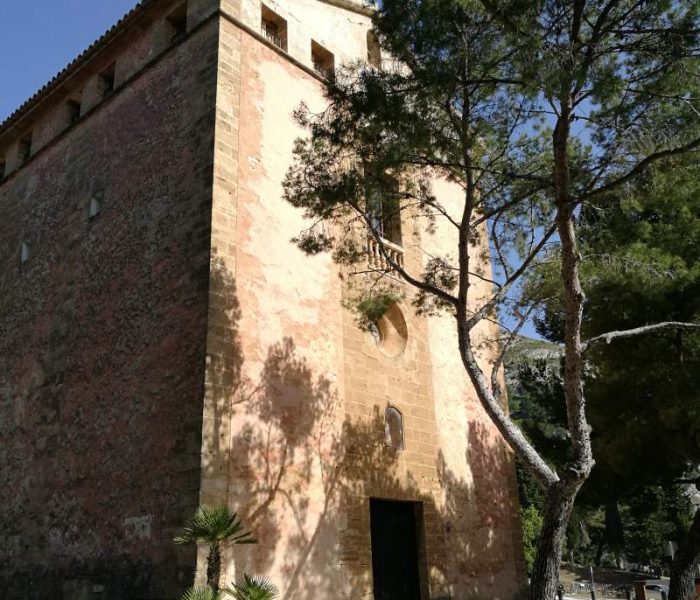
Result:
x=421 y=552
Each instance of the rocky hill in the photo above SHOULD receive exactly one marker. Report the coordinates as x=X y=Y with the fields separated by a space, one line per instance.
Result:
x=528 y=350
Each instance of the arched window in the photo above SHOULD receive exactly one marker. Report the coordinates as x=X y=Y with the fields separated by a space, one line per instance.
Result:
x=393 y=427
x=374 y=52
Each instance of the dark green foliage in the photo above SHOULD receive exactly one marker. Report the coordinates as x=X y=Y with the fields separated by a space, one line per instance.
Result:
x=531 y=501
x=532 y=526
x=214 y=526
x=652 y=516
x=253 y=588
x=373 y=307
x=313 y=242
x=539 y=409
x=201 y=593
x=647 y=269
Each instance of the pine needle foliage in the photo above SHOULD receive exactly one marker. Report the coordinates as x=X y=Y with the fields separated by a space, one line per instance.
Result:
x=372 y=308
x=531 y=112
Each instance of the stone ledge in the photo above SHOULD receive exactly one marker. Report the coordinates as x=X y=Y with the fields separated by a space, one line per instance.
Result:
x=352 y=5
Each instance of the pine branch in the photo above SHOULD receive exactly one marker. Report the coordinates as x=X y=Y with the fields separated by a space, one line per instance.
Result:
x=515 y=276
x=628 y=333
x=495 y=385
x=394 y=266
x=640 y=167
x=511 y=433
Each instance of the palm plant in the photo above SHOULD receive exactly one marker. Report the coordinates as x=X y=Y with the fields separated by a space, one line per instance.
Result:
x=216 y=527
x=201 y=593
x=253 y=588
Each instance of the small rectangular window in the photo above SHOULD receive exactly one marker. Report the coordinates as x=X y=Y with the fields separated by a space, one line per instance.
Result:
x=177 y=23
x=3 y=167
x=105 y=81
x=273 y=27
x=24 y=150
x=322 y=60
x=24 y=253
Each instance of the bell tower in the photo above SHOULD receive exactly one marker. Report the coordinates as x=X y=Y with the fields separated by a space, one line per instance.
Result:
x=168 y=322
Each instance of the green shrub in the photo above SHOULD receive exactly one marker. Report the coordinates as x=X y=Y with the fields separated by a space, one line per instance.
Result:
x=532 y=526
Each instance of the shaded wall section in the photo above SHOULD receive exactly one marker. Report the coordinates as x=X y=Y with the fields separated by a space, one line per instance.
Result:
x=102 y=340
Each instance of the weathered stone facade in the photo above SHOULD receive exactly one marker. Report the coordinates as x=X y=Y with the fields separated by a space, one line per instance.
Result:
x=163 y=343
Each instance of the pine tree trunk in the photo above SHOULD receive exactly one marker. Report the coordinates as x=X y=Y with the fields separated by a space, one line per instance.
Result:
x=557 y=511
x=214 y=566
x=599 y=551
x=614 y=531
x=684 y=568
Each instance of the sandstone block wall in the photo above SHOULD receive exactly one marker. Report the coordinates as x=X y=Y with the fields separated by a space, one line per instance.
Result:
x=298 y=436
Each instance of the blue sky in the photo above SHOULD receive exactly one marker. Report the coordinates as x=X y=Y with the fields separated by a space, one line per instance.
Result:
x=40 y=37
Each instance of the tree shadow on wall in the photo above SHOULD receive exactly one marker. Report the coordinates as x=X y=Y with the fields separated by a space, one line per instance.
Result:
x=279 y=449
x=483 y=519
x=313 y=485
x=265 y=425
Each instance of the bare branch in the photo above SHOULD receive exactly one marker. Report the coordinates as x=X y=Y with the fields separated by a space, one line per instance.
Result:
x=628 y=333
x=508 y=429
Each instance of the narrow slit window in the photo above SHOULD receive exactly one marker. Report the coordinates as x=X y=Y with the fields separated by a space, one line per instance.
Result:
x=322 y=60
x=177 y=23
x=3 y=167
x=24 y=150
x=24 y=253
x=95 y=205
x=273 y=27
x=106 y=81
x=393 y=428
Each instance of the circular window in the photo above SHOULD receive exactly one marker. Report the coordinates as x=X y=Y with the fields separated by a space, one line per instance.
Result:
x=391 y=332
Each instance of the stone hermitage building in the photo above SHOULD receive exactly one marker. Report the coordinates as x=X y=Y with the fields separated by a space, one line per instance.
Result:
x=164 y=344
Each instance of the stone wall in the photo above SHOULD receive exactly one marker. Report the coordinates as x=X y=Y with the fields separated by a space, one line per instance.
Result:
x=177 y=348
x=306 y=389
x=281 y=321
x=102 y=339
